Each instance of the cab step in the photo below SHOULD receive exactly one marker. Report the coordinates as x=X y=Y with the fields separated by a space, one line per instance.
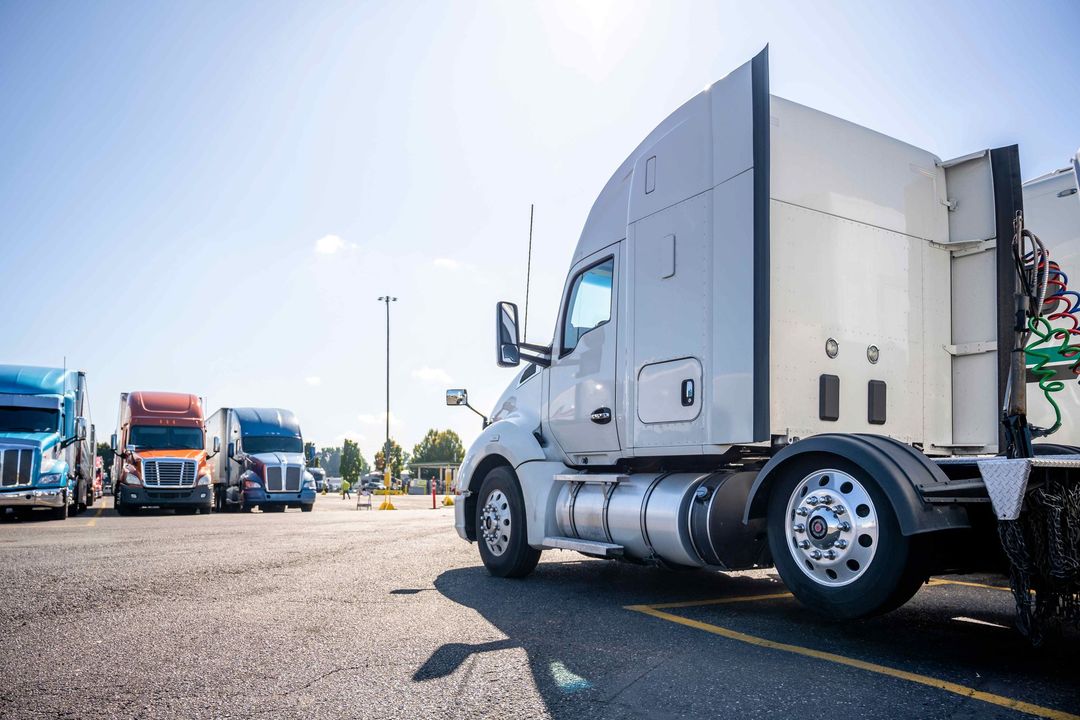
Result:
x=589 y=547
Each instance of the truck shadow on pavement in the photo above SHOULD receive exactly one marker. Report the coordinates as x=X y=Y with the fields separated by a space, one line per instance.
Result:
x=591 y=654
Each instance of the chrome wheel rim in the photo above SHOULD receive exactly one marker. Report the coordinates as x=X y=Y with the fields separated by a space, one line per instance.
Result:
x=495 y=523
x=832 y=528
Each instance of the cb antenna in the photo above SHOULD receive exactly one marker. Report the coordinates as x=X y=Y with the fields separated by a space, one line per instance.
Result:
x=528 y=275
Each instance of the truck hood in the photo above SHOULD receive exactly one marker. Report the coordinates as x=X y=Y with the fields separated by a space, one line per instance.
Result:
x=278 y=458
x=40 y=440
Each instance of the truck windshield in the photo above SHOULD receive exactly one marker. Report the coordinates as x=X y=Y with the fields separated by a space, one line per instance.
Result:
x=24 y=419
x=255 y=444
x=160 y=437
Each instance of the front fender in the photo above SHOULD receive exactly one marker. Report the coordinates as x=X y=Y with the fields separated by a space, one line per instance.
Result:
x=504 y=439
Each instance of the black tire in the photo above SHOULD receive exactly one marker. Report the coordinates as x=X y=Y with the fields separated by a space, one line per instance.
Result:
x=60 y=513
x=219 y=499
x=893 y=576
x=516 y=559
x=79 y=506
x=273 y=508
x=307 y=508
x=185 y=510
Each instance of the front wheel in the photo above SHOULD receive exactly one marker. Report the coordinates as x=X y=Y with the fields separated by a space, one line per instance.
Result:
x=500 y=526
x=307 y=507
x=61 y=512
x=837 y=543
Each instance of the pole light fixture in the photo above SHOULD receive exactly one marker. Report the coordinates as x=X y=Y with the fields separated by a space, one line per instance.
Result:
x=387 y=504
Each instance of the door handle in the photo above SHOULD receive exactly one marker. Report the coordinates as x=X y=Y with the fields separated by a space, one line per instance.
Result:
x=601 y=416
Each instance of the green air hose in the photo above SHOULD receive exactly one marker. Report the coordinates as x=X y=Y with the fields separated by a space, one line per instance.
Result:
x=1045 y=333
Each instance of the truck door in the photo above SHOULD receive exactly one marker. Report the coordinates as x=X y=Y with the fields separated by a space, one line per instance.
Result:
x=581 y=389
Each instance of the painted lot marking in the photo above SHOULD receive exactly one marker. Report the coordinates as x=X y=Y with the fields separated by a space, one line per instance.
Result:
x=657 y=610
x=93 y=521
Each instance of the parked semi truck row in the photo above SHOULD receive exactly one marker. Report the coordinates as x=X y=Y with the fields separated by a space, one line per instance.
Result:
x=46 y=450
x=787 y=340
x=162 y=458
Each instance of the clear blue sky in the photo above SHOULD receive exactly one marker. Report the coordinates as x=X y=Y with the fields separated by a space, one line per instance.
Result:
x=169 y=172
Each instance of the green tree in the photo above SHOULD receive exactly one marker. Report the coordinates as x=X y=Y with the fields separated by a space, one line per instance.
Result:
x=438 y=446
x=330 y=460
x=350 y=462
x=398 y=459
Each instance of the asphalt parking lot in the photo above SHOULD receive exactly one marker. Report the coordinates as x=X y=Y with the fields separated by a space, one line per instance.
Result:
x=345 y=613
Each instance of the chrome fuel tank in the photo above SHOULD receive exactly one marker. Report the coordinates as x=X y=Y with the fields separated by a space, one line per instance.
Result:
x=684 y=519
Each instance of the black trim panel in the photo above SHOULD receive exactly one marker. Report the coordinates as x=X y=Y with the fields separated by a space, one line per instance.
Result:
x=759 y=81
x=1008 y=200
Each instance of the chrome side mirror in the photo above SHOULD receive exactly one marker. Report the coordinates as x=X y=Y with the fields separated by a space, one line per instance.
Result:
x=232 y=450
x=506 y=328
x=217 y=444
x=457 y=397
x=112 y=442
x=80 y=428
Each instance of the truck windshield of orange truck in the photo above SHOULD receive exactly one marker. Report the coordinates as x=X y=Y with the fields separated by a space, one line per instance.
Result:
x=158 y=437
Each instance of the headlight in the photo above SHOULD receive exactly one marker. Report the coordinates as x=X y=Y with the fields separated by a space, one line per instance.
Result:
x=51 y=479
x=204 y=480
x=132 y=479
x=309 y=481
x=251 y=481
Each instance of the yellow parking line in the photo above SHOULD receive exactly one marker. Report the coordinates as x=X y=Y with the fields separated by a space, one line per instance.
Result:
x=941 y=581
x=717 y=601
x=999 y=700
x=93 y=520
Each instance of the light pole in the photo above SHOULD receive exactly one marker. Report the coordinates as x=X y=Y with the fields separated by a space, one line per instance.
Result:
x=387 y=503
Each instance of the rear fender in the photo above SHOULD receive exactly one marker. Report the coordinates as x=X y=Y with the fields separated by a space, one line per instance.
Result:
x=898 y=469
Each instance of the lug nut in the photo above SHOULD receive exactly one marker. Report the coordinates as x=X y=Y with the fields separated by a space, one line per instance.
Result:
x=841 y=544
x=839 y=510
x=800 y=528
x=816 y=554
x=804 y=544
x=802 y=512
x=827 y=499
x=812 y=500
x=845 y=526
x=830 y=554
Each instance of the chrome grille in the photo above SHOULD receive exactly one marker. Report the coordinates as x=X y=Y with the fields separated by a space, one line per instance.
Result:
x=273 y=478
x=292 y=479
x=16 y=467
x=169 y=473
x=283 y=478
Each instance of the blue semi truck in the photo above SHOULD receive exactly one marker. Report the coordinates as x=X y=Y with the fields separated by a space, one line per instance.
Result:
x=46 y=445
x=264 y=464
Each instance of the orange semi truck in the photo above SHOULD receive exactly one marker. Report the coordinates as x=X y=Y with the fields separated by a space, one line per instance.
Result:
x=161 y=455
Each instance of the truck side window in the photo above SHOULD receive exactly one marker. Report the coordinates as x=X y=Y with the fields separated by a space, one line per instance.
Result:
x=590 y=303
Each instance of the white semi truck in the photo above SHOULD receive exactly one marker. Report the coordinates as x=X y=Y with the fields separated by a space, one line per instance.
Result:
x=786 y=340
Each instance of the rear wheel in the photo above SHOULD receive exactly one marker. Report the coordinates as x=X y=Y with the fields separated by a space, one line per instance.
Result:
x=837 y=543
x=500 y=526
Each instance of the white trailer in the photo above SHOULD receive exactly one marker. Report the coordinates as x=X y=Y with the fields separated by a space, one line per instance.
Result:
x=784 y=339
